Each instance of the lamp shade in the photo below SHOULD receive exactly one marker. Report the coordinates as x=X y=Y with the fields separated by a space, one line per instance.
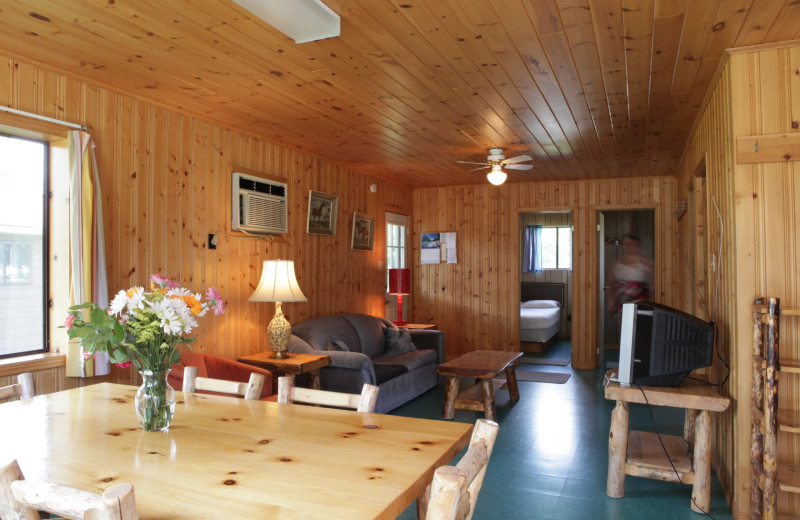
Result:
x=278 y=283
x=399 y=281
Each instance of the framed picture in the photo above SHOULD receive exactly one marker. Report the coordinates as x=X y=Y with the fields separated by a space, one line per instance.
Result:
x=322 y=209
x=363 y=231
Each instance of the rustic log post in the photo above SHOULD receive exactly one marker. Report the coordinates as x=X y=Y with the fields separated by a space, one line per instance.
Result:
x=9 y=507
x=450 y=400
x=26 y=381
x=757 y=415
x=771 y=412
x=688 y=427
x=368 y=398
x=487 y=391
x=119 y=501
x=701 y=490
x=254 y=386
x=617 y=450
x=285 y=387
x=189 y=375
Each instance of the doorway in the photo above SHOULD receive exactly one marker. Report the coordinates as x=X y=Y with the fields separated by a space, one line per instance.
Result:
x=614 y=226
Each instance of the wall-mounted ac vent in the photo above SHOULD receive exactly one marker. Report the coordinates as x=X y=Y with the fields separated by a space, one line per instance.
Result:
x=258 y=205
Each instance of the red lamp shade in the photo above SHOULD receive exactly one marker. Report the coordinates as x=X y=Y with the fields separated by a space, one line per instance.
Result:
x=399 y=284
x=399 y=281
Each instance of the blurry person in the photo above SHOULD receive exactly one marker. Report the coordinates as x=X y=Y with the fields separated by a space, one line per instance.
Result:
x=629 y=278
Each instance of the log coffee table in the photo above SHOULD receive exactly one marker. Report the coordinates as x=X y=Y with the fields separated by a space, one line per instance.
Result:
x=481 y=365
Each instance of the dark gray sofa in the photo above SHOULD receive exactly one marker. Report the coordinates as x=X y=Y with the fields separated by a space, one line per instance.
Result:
x=401 y=377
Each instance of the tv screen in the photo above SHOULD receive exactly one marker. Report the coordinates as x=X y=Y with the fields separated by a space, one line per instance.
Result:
x=660 y=346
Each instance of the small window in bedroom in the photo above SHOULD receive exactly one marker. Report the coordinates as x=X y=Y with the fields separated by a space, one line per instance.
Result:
x=547 y=248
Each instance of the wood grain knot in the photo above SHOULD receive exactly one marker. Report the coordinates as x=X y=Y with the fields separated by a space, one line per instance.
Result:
x=233 y=473
x=108 y=479
x=370 y=426
x=113 y=434
x=229 y=482
x=415 y=449
x=152 y=453
x=120 y=400
x=426 y=443
x=286 y=459
x=376 y=469
x=249 y=451
x=264 y=441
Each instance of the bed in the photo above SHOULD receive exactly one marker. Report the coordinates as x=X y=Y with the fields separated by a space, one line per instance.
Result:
x=540 y=312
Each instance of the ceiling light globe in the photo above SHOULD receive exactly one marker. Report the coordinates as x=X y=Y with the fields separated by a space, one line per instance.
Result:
x=497 y=176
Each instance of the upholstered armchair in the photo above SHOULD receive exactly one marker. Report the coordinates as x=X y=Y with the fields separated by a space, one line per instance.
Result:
x=218 y=368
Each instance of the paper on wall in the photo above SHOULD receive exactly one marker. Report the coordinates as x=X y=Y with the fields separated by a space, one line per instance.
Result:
x=430 y=250
x=448 y=241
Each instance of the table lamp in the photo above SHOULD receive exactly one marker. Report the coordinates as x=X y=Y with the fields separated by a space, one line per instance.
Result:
x=278 y=284
x=399 y=284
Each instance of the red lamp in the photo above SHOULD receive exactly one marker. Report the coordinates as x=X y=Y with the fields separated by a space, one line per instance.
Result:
x=400 y=284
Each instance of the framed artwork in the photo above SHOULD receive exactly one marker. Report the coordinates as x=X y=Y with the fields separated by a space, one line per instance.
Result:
x=322 y=209
x=363 y=231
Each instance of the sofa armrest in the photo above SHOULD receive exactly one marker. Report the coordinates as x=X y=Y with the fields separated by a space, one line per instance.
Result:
x=429 y=339
x=347 y=370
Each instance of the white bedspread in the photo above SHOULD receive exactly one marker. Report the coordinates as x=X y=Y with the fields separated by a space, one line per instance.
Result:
x=538 y=318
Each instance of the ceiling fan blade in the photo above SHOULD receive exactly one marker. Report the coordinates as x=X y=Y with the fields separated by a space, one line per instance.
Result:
x=467 y=162
x=481 y=168
x=518 y=166
x=519 y=158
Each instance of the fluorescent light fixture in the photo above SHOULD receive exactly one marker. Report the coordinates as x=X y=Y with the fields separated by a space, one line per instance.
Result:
x=301 y=20
x=497 y=176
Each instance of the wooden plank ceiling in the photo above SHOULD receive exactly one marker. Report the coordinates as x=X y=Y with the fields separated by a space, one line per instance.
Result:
x=588 y=88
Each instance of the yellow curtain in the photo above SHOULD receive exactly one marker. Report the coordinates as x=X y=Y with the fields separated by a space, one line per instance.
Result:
x=88 y=280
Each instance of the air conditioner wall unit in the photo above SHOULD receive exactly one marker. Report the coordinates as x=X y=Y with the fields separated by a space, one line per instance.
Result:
x=258 y=205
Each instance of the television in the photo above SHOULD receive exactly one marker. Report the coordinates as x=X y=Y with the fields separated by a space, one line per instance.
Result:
x=660 y=346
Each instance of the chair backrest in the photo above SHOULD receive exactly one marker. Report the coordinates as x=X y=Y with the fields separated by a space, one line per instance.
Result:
x=250 y=390
x=23 y=388
x=364 y=402
x=21 y=500
x=454 y=491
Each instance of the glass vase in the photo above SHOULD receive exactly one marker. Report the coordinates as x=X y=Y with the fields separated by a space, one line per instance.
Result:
x=155 y=401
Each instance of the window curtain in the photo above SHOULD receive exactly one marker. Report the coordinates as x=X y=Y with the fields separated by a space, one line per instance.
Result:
x=532 y=254
x=88 y=278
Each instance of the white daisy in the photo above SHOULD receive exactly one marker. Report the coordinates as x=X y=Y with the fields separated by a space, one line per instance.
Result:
x=118 y=303
x=136 y=298
x=170 y=322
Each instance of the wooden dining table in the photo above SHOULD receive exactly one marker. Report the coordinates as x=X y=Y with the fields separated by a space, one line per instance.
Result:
x=225 y=457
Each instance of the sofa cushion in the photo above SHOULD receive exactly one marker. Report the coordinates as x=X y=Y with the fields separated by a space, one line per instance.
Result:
x=410 y=360
x=370 y=333
x=340 y=346
x=385 y=372
x=398 y=341
x=319 y=331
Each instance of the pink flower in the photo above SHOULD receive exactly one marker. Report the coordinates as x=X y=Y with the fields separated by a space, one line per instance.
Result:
x=69 y=321
x=87 y=355
x=214 y=301
x=162 y=281
x=124 y=364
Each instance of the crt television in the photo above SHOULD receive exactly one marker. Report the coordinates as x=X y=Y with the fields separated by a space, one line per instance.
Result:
x=660 y=346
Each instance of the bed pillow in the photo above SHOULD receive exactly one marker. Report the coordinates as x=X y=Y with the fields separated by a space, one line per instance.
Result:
x=541 y=304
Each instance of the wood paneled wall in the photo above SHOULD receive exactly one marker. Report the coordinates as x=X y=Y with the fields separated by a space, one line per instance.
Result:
x=475 y=302
x=549 y=275
x=165 y=180
x=758 y=93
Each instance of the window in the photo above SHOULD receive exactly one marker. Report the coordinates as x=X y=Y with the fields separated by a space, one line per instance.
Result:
x=23 y=251
x=556 y=247
x=547 y=248
x=395 y=241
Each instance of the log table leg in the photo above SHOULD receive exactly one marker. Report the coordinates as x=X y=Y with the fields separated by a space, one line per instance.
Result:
x=488 y=399
x=313 y=377
x=511 y=381
x=688 y=427
x=449 y=410
x=617 y=450
x=701 y=490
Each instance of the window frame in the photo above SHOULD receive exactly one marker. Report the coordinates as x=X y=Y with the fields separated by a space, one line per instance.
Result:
x=46 y=195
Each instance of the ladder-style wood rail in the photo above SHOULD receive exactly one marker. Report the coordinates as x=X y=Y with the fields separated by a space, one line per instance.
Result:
x=767 y=476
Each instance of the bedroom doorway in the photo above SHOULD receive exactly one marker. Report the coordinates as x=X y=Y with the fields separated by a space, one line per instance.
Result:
x=545 y=264
x=616 y=225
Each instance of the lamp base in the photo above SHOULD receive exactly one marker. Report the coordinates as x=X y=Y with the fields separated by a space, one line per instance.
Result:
x=278 y=332
x=280 y=355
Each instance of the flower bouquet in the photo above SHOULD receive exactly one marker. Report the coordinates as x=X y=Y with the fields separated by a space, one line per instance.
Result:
x=145 y=329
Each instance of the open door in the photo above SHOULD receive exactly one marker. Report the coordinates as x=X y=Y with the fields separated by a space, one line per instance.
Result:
x=601 y=294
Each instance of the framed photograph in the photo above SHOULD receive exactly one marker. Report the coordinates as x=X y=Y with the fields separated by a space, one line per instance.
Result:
x=322 y=209
x=363 y=231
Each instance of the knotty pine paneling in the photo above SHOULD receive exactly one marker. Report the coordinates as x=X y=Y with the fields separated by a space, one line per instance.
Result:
x=475 y=302
x=165 y=180
x=758 y=92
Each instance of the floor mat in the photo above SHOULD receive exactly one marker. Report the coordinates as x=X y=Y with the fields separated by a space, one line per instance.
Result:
x=544 y=361
x=542 y=377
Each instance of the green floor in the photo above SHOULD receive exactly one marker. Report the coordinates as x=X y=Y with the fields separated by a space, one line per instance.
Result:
x=551 y=455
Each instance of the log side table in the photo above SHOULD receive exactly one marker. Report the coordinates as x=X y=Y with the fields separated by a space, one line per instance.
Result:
x=640 y=453
x=294 y=364
x=482 y=365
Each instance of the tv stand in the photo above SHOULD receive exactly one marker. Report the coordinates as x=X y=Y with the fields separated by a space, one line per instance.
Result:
x=640 y=454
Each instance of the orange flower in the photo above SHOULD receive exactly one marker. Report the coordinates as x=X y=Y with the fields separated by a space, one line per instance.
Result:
x=194 y=306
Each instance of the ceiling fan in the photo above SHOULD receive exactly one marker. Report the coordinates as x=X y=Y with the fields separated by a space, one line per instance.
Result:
x=497 y=161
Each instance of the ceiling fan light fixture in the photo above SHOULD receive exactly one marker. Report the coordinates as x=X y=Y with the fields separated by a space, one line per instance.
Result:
x=301 y=20
x=497 y=176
